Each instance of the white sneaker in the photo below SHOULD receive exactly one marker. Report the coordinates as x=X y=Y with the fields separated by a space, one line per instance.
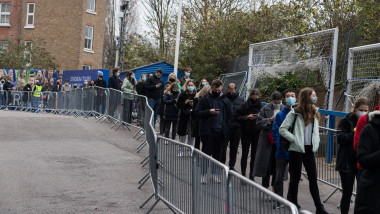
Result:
x=215 y=179
x=203 y=179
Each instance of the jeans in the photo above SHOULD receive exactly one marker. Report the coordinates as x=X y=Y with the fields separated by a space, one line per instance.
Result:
x=155 y=105
x=212 y=146
x=280 y=175
x=295 y=166
x=247 y=141
x=35 y=102
x=233 y=138
x=348 y=179
x=169 y=123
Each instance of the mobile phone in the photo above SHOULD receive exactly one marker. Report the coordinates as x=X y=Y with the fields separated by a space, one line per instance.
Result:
x=255 y=114
x=217 y=109
x=191 y=101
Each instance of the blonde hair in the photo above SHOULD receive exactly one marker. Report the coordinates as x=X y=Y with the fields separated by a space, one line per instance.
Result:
x=169 y=89
x=203 y=91
x=184 y=87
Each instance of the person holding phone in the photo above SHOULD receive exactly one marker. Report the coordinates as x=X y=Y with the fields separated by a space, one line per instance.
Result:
x=246 y=114
x=154 y=85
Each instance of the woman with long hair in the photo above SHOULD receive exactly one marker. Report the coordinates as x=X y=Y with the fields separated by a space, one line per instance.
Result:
x=129 y=89
x=171 y=110
x=304 y=141
x=195 y=128
x=346 y=156
x=185 y=103
x=173 y=78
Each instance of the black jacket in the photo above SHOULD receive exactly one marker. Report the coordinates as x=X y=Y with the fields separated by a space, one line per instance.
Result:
x=152 y=91
x=171 y=109
x=100 y=83
x=141 y=88
x=368 y=193
x=203 y=112
x=236 y=101
x=114 y=83
x=346 y=156
x=248 y=126
x=195 y=127
x=27 y=88
x=186 y=112
x=57 y=87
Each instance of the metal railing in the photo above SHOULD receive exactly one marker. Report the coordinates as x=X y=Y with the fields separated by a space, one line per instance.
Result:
x=183 y=178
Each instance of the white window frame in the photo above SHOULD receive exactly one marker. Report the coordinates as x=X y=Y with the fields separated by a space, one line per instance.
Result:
x=5 y=13
x=86 y=67
x=26 y=43
x=28 y=13
x=89 y=37
x=90 y=4
x=4 y=45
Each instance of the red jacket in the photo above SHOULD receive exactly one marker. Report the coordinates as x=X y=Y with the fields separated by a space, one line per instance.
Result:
x=359 y=127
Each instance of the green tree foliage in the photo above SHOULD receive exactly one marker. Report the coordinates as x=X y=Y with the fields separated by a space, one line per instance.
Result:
x=22 y=56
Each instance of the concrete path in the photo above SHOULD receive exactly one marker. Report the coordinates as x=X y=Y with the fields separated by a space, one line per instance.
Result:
x=60 y=164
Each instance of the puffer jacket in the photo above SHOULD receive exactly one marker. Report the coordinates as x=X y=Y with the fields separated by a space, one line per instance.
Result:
x=297 y=139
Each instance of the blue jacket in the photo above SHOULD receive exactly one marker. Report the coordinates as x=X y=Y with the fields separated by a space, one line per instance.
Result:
x=280 y=117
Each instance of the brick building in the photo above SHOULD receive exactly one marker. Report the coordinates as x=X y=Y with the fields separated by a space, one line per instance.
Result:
x=9 y=22
x=72 y=30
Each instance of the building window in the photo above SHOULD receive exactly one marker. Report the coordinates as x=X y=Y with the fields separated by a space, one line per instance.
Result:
x=5 y=13
x=88 y=38
x=30 y=14
x=4 y=46
x=27 y=53
x=86 y=67
x=91 y=5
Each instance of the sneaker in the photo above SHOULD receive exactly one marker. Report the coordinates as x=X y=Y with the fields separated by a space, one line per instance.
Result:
x=203 y=179
x=277 y=205
x=215 y=179
x=180 y=154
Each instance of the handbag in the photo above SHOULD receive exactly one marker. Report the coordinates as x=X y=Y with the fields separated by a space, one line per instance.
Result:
x=284 y=143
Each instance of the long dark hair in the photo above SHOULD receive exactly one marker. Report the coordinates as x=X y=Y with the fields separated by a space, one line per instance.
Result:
x=307 y=110
x=132 y=81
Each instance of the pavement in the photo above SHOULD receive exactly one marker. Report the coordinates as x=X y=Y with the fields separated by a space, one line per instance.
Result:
x=61 y=164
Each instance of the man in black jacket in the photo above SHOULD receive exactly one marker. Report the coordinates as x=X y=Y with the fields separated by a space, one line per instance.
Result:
x=154 y=85
x=100 y=93
x=215 y=113
x=234 y=132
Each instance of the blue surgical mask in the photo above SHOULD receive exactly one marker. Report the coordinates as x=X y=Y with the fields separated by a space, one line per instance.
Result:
x=133 y=77
x=117 y=74
x=277 y=106
x=314 y=100
x=187 y=74
x=144 y=79
x=191 y=88
x=290 y=101
x=204 y=83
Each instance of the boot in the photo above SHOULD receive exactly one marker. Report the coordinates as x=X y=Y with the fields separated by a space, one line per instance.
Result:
x=321 y=210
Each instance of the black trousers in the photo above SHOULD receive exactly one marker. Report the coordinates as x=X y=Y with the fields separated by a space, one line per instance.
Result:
x=271 y=171
x=233 y=138
x=173 y=124
x=348 y=179
x=197 y=144
x=247 y=141
x=212 y=146
x=280 y=173
x=296 y=159
x=127 y=110
x=162 y=125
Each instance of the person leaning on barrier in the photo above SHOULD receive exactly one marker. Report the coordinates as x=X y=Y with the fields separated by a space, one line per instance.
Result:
x=58 y=85
x=141 y=90
x=100 y=93
x=26 y=97
x=368 y=155
x=265 y=159
x=154 y=86
x=7 y=87
x=161 y=110
x=113 y=81
x=304 y=141
x=171 y=110
x=282 y=155
x=346 y=156
x=196 y=119
x=66 y=87
x=215 y=113
x=246 y=114
x=129 y=90
x=2 y=97
x=85 y=84
x=235 y=133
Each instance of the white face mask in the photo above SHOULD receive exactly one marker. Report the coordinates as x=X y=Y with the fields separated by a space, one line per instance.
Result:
x=361 y=113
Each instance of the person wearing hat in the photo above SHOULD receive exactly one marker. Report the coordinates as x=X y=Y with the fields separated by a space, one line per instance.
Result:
x=100 y=100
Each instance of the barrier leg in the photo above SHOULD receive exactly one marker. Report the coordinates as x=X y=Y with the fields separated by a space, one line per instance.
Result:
x=145 y=163
x=146 y=158
x=138 y=131
x=147 y=174
x=115 y=124
x=146 y=201
x=144 y=181
x=154 y=205
x=139 y=150
x=329 y=196
x=141 y=145
x=140 y=136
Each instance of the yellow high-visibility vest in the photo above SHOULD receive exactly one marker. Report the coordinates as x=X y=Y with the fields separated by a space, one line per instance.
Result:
x=37 y=91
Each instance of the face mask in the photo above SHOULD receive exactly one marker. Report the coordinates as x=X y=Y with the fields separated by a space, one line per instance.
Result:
x=216 y=94
x=290 y=101
x=191 y=88
x=2 y=82
x=133 y=77
x=85 y=83
x=277 y=106
x=75 y=86
x=91 y=83
x=175 y=91
x=204 y=83
x=187 y=74
x=100 y=77
x=361 y=113
x=313 y=100
x=171 y=80
x=144 y=79
x=158 y=76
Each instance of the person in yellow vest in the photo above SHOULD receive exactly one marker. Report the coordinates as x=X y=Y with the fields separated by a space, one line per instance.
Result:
x=36 y=94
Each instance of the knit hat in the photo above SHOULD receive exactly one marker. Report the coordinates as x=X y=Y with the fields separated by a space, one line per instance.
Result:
x=100 y=73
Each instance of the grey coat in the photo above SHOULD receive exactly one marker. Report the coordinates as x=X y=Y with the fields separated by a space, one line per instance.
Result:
x=264 y=148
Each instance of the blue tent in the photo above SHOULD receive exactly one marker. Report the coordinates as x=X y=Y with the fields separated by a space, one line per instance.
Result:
x=146 y=69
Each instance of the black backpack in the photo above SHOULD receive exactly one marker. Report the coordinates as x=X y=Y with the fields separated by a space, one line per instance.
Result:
x=284 y=143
